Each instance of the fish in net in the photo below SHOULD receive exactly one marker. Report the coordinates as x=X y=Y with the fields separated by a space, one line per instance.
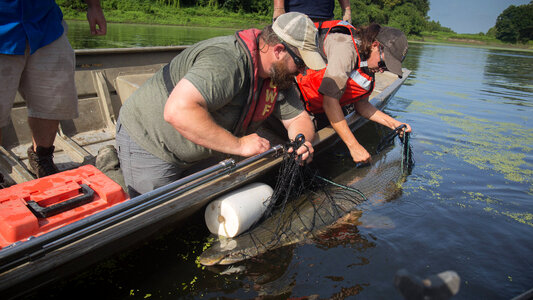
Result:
x=304 y=204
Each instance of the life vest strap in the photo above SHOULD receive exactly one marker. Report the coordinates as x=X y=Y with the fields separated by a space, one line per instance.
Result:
x=167 y=80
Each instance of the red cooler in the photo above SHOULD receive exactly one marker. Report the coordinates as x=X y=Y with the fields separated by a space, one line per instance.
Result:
x=42 y=205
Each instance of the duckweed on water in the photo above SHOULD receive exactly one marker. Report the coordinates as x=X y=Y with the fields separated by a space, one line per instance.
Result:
x=434 y=153
x=436 y=179
x=458 y=95
x=487 y=144
x=525 y=218
x=479 y=197
x=431 y=180
x=521 y=217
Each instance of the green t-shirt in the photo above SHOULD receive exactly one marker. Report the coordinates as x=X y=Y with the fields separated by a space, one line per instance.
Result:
x=219 y=69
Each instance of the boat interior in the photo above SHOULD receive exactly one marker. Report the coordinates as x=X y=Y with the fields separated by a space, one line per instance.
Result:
x=105 y=78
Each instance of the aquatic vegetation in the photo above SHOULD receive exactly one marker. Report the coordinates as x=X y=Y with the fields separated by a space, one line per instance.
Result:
x=487 y=144
x=458 y=95
x=479 y=197
x=525 y=218
x=428 y=181
x=493 y=204
x=434 y=153
x=425 y=142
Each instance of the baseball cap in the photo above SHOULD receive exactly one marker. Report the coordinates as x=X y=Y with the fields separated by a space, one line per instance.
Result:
x=296 y=29
x=395 y=47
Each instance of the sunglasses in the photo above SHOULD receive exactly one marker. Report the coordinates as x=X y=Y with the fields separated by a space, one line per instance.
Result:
x=298 y=61
x=381 y=63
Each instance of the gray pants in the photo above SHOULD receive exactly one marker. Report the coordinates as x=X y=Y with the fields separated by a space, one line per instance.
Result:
x=143 y=172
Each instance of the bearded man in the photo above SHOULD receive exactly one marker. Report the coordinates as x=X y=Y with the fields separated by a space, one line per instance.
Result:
x=210 y=99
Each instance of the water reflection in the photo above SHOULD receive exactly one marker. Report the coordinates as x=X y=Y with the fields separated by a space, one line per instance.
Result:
x=262 y=275
x=277 y=273
x=505 y=81
x=138 y=35
x=411 y=61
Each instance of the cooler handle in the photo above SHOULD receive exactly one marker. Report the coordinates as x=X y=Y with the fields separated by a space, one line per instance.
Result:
x=45 y=212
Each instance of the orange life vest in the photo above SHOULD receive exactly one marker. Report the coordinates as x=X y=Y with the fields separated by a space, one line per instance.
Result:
x=261 y=101
x=359 y=84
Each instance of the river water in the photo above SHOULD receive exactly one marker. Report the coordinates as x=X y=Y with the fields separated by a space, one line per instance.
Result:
x=467 y=206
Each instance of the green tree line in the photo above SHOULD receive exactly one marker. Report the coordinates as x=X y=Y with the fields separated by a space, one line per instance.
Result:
x=411 y=16
x=515 y=24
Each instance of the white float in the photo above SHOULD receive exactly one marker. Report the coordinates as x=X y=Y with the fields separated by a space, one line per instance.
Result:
x=233 y=213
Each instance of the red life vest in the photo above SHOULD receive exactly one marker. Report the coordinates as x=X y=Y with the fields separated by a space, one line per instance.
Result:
x=261 y=100
x=358 y=86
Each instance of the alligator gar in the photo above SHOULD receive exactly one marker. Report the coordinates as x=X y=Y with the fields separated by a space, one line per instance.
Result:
x=312 y=213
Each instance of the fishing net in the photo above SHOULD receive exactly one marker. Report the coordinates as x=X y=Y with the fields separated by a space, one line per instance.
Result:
x=304 y=203
x=329 y=200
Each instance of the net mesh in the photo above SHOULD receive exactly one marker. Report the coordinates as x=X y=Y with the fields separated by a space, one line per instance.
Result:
x=304 y=203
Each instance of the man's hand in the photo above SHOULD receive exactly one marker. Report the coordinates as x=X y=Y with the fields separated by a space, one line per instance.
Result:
x=304 y=153
x=346 y=10
x=406 y=129
x=253 y=144
x=359 y=154
x=347 y=15
x=95 y=16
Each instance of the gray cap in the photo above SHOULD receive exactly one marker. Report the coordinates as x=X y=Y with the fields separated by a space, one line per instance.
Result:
x=395 y=48
x=296 y=29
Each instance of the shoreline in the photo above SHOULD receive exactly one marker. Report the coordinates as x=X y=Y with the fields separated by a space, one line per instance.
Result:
x=424 y=39
x=472 y=45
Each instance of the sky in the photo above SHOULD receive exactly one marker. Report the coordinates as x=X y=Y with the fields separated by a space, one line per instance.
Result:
x=469 y=16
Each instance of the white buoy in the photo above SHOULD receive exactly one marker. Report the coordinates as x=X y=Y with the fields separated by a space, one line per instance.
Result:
x=233 y=213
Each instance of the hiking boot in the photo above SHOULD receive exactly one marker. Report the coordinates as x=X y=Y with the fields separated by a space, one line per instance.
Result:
x=41 y=161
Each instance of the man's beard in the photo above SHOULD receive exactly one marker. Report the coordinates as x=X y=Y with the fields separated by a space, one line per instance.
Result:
x=280 y=75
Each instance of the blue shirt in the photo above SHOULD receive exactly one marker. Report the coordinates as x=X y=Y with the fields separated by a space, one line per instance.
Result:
x=37 y=22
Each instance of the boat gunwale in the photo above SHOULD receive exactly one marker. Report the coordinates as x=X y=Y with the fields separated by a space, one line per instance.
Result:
x=100 y=51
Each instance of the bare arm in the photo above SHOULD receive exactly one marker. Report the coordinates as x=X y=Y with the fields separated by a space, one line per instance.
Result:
x=302 y=124
x=186 y=110
x=336 y=118
x=279 y=8
x=346 y=10
x=95 y=16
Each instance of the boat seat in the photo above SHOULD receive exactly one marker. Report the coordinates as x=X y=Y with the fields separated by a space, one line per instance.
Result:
x=127 y=84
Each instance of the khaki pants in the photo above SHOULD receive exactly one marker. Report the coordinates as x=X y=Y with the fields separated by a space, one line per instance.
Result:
x=45 y=79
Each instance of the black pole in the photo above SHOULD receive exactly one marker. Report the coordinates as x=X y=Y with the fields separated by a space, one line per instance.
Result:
x=33 y=248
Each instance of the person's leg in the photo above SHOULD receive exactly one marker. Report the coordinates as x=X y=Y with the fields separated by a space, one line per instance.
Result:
x=143 y=172
x=47 y=84
x=43 y=132
x=11 y=67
